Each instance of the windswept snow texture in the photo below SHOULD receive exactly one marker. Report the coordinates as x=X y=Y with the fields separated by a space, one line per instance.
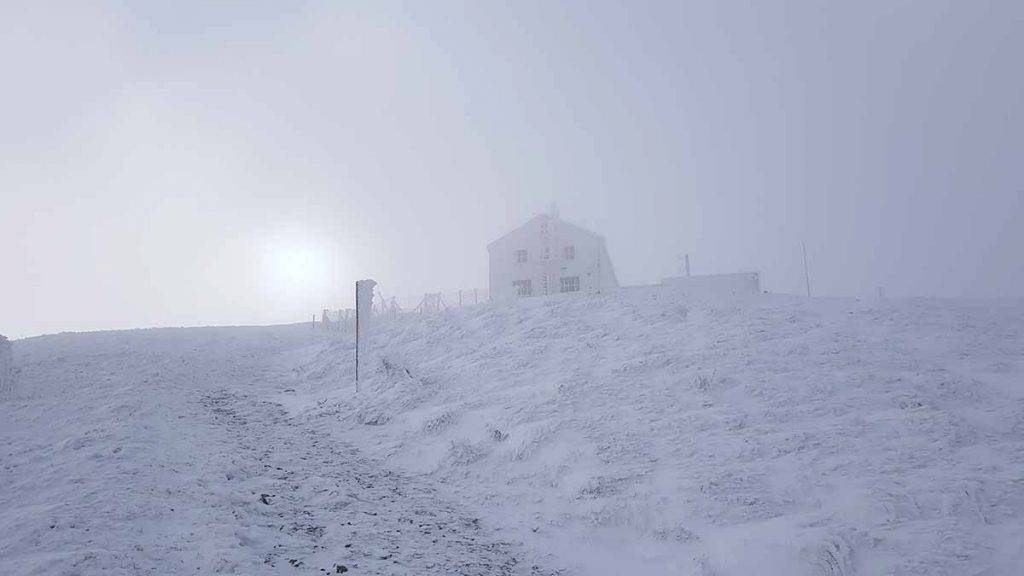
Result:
x=646 y=434
x=640 y=433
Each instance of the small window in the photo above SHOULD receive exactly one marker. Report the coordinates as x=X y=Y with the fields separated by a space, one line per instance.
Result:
x=523 y=287
x=520 y=256
x=570 y=252
x=571 y=284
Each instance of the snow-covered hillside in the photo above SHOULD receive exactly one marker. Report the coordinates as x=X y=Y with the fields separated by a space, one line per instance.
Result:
x=634 y=434
x=644 y=433
x=156 y=452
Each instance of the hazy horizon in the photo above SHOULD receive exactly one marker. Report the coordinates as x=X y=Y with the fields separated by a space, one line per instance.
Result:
x=245 y=163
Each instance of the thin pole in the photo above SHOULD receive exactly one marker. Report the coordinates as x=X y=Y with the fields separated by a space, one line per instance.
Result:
x=357 y=338
x=807 y=274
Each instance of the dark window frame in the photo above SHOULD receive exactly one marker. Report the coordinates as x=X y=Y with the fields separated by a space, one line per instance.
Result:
x=569 y=284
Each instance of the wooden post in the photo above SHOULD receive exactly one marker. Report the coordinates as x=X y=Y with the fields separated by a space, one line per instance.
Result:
x=364 y=317
x=6 y=365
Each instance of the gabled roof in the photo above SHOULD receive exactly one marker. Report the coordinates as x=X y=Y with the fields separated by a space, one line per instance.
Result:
x=545 y=217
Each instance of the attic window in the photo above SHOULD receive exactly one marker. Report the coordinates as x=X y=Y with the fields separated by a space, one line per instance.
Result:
x=520 y=256
x=570 y=252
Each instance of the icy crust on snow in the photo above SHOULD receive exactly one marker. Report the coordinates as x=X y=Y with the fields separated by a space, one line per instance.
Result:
x=646 y=433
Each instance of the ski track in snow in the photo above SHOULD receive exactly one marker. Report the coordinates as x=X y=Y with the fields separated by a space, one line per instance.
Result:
x=155 y=452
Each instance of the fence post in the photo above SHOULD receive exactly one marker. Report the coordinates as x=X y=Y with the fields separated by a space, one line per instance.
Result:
x=6 y=365
x=364 y=313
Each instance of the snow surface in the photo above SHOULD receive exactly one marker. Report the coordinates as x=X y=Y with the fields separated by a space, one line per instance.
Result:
x=641 y=433
x=157 y=452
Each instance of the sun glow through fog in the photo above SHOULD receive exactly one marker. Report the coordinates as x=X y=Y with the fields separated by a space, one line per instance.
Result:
x=297 y=267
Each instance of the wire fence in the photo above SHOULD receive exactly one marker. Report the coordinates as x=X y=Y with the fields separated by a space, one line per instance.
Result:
x=393 y=307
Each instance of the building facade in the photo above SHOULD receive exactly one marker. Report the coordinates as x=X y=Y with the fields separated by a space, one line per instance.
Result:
x=549 y=256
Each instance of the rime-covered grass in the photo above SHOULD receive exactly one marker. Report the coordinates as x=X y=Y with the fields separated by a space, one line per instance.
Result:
x=644 y=433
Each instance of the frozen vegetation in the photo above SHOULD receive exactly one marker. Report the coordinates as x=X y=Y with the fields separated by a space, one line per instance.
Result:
x=640 y=433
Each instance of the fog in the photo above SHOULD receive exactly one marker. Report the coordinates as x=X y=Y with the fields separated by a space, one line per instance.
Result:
x=246 y=163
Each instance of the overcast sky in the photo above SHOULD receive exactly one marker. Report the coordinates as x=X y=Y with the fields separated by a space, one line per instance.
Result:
x=241 y=162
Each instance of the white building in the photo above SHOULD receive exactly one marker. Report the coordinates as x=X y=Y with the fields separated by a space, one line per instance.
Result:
x=548 y=256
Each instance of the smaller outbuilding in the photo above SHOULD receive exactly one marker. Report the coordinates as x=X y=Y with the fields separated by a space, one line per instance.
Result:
x=716 y=284
x=548 y=255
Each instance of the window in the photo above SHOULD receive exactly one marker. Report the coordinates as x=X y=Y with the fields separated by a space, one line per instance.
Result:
x=571 y=284
x=520 y=256
x=570 y=252
x=523 y=287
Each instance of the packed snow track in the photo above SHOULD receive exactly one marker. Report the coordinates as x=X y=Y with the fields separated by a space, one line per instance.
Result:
x=156 y=452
